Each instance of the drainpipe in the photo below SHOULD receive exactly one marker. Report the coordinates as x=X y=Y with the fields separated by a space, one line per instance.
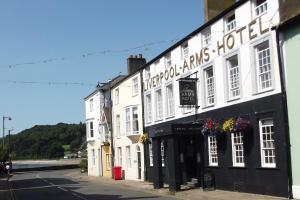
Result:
x=111 y=135
x=285 y=110
x=143 y=116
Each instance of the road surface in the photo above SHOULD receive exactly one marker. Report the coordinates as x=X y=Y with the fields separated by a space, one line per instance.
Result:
x=55 y=185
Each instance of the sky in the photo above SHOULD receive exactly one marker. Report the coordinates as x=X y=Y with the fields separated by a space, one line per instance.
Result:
x=53 y=52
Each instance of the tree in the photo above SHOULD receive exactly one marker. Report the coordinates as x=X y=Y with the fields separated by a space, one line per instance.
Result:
x=3 y=154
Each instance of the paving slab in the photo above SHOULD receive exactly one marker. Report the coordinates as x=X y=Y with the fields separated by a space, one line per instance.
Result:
x=191 y=194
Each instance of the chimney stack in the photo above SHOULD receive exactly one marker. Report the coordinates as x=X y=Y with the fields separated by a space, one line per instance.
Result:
x=134 y=63
x=214 y=7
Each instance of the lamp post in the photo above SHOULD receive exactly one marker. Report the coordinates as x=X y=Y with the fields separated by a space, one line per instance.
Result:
x=3 y=118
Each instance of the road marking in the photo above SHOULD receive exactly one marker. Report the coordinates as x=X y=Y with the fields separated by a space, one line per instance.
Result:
x=76 y=195
x=41 y=187
x=63 y=189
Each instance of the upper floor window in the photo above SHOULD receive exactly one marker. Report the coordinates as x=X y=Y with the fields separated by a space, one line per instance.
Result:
x=91 y=129
x=117 y=96
x=158 y=104
x=147 y=73
x=212 y=151
x=230 y=23
x=261 y=7
x=263 y=66
x=237 y=149
x=185 y=50
x=148 y=108
x=168 y=61
x=233 y=74
x=132 y=122
x=209 y=86
x=170 y=108
x=135 y=86
x=206 y=37
x=91 y=105
x=267 y=143
x=118 y=133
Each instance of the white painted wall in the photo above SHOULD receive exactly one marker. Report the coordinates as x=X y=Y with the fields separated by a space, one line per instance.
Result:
x=126 y=99
x=93 y=142
x=244 y=14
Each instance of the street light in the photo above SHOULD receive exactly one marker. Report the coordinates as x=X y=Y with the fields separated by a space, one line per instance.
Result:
x=3 y=118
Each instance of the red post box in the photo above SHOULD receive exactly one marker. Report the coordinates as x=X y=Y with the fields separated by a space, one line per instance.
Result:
x=117 y=173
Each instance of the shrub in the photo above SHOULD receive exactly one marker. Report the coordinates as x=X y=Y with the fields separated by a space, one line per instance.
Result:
x=83 y=165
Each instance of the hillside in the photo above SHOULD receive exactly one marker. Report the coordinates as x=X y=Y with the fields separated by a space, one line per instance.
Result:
x=47 y=141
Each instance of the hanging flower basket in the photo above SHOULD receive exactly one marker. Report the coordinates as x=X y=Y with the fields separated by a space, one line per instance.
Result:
x=241 y=124
x=211 y=127
x=144 y=138
x=229 y=125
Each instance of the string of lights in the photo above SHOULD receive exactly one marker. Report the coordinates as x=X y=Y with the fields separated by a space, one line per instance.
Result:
x=144 y=47
x=49 y=83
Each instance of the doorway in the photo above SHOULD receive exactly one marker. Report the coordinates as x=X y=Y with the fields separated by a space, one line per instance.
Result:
x=188 y=158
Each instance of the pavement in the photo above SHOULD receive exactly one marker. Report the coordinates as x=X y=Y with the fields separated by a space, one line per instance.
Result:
x=191 y=194
x=4 y=186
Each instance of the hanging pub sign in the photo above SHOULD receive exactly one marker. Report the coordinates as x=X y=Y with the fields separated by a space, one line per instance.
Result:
x=187 y=91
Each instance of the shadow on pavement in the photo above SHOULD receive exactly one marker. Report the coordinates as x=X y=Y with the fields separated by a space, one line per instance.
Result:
x=65 y=189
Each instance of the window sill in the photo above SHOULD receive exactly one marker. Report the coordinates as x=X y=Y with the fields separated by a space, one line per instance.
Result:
x=208 y=106
x=263 y=91
x=212 y=166
x=267 y=168
x=237 y=167
x=261 y=14
x=229 y=32
x=170 y=117
x=234 y=99
x=158 y=120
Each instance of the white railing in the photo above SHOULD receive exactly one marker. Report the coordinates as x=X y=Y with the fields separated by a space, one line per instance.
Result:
x=262 y=8
x=231 y=25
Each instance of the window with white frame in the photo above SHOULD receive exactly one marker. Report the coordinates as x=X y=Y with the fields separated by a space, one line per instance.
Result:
x=147 y=73
x=212 y=151
x=185 y=50
x=150 y=152
x=170 y=109
x=261 y=7
x=237 y=149
x=135 y=86
x=263 y=66
x=93 y=157
x=135 y=120
x=148 y=108
x=118 y=130
x=230 y=23
x=267 y=143
x=91 y=105
x=158 y=105
x=117 y=96
x=209 y=86
x=108 y=165
x=119 y=153
x=128 y=120
x=168 y=61
x=91 y=129
x=132 y=121
x=162 y=153
x=206 y=37
x=128 y=157
x=233 y=76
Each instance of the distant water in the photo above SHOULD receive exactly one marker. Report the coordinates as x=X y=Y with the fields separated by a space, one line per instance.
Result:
x=22 y=166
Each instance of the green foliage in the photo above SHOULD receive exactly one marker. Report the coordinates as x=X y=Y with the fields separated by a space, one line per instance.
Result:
x=47 y=141
x=3 y=154
x=83 y=165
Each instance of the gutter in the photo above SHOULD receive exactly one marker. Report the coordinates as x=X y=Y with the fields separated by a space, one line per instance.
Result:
x=285 y=111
